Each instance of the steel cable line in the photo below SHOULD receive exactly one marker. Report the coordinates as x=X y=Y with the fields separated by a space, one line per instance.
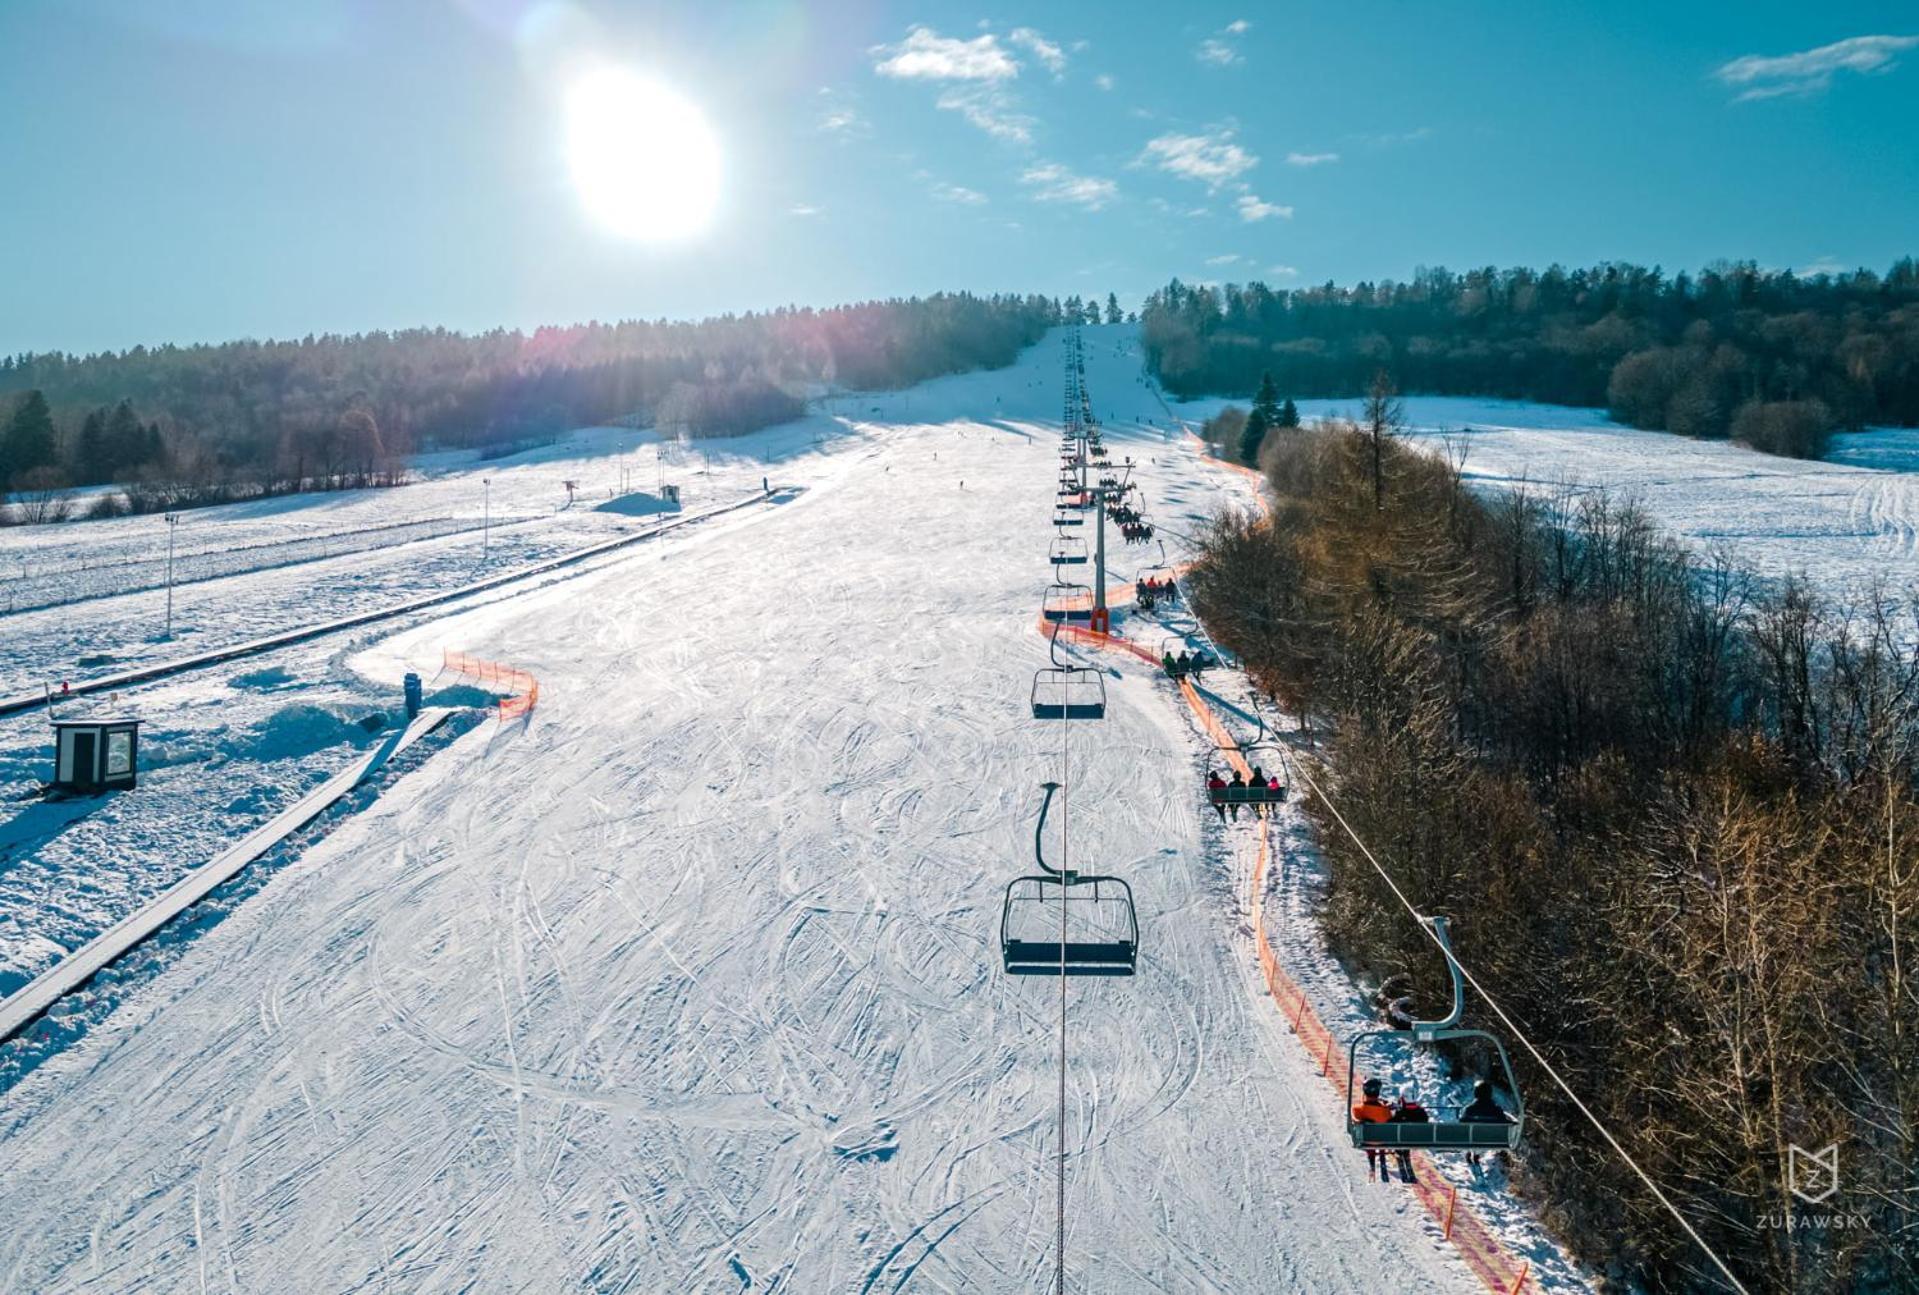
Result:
x=1297 y=769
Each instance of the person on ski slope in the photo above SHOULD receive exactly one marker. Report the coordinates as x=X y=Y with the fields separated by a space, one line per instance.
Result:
x=1408 y=1111
x=1215 y=785
x=1372 y=1109
x=1484 y=1110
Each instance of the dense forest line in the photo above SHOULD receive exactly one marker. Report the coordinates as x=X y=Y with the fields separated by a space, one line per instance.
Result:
x=1772 y=358
x=200 y=424
x=1670 y=809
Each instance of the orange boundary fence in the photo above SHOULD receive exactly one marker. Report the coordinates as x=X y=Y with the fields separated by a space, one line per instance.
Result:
x=522 y=689
x=1483 y=1253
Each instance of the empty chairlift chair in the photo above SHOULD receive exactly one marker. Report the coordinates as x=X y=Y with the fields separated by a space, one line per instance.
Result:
x=1067 y=691
x=1502 y=1130
x=1066 y=923
x=1065 y=603
x=1067 y=551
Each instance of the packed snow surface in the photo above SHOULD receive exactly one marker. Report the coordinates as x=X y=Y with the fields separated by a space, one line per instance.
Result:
x=1841 y=523
x=690 y=981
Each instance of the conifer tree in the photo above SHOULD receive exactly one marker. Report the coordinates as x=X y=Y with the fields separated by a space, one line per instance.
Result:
x=126 y=440
x=90 y=460
x=29 y=439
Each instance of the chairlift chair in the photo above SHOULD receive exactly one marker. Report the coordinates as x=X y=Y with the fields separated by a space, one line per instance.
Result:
x=1067 y=602
x=1251 y=794
x=1069 y=692
x=1068 y=551
x=1066 y=517
x=1101 y=935
x=1248 y=752
x=1161 y=572
x=1437 y=1135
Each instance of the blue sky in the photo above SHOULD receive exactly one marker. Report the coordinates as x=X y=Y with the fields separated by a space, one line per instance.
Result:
x=203 y=169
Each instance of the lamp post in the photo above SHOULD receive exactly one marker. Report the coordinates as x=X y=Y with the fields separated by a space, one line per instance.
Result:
x=486 y=517
x=173 y=521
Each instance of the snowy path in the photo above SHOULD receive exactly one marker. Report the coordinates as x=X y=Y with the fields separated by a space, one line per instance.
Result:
x=690 y=983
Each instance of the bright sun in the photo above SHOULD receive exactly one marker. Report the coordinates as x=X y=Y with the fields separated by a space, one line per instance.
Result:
x=644 y=160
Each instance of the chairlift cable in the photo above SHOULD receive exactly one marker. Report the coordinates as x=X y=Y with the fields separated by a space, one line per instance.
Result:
x=1298 y=771
x=1518 y=1034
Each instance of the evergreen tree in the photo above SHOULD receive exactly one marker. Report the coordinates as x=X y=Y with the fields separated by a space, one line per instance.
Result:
x=1254 y=436
x=126 y=440
x=29 y=441
x=1267 y=401
x=90 y=460
x=1112 y=308
x=1289 y=414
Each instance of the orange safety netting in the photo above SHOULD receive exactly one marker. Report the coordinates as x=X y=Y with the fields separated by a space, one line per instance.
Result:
x=1482 y=1251
x=522 y=689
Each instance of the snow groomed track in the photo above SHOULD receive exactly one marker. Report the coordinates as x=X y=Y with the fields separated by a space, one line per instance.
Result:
x=253 y=647
x=22 y=1008
x=689 y=982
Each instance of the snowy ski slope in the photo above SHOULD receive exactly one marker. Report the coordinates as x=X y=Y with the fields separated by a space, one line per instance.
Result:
x=690 y=983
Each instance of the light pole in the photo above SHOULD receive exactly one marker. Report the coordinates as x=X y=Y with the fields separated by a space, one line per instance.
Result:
x=173 y=521
x=486 y=516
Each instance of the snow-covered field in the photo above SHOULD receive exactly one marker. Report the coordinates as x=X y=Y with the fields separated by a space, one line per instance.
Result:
x=1842 y=523
x=527 y=489
x=689 y=982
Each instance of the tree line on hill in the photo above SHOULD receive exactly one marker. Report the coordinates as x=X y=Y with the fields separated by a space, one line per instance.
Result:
x=1772 y=358
x=185 y=425
x=1670 y=808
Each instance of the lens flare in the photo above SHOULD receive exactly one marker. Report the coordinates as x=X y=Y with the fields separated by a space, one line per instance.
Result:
x=644 y=160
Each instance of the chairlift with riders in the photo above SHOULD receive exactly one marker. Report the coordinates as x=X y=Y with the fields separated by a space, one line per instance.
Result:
x=1459 y=1134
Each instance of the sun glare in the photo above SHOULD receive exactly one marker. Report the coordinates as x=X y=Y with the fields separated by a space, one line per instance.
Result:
x=644 y=160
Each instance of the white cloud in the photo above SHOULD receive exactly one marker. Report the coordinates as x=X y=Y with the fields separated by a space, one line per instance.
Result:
x=840 y=117
x=1103 y=81
x=803 y=209
x=1052 y=182
x=990 y=110
x=1040 y=48
x=1217 y=52
x=928 y=56
x=1395 y=138
x=1228 y=259
x=1212 y=158
x=1811 y=71
x=1221 y=49
x=957 y=193
x=1283 y=271
x=1310 y=159
x=1252 y=209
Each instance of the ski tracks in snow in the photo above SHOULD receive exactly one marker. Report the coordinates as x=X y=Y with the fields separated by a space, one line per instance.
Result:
x=689 y=981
